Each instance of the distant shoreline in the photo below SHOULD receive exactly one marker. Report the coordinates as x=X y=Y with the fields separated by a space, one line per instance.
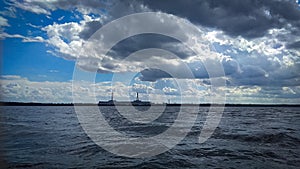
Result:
x=172 y=104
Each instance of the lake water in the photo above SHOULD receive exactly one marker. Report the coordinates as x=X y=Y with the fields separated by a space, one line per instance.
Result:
x=247 y=137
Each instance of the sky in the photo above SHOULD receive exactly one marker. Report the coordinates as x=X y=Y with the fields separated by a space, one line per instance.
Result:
x=257 y=43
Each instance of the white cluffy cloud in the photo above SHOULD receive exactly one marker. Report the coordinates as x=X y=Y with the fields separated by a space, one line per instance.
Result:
x=24 y=38
x=71 y=42
x=3 y=22
x=16 y=88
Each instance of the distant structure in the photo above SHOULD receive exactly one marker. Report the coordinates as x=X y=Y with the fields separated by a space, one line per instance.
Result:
x=112 y=102
x=138 y=102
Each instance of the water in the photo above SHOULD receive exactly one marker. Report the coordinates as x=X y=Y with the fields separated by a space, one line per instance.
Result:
x=247 y=137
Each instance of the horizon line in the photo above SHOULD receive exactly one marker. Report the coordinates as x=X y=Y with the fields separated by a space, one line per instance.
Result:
x=5 y=103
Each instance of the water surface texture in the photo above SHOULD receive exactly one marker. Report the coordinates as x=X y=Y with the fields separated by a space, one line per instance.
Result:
x=247 y=137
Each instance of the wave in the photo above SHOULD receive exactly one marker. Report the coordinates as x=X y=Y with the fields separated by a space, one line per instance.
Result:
x=261 y=138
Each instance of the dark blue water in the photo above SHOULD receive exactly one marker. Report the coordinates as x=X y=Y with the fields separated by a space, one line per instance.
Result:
x=247 y=137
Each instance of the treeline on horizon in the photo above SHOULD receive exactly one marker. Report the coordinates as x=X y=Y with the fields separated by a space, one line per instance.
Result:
x=171 y=104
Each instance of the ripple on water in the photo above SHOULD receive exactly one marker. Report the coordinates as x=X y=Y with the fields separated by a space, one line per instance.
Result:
x=247 y=137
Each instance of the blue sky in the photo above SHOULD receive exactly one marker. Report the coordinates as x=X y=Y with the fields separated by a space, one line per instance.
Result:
x=257 y=45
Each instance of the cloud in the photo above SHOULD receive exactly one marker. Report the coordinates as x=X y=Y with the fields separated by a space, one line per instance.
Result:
x=261 y=61
x=170 y=91
x=295 y=45
x=248 y=18
x=53 y=71
x=46 y=7
x=198 y=70
x=144 y=41
x=28 y=6
x=24 y=38
x=11 y=77
x=68 y=38
x=16 y=88
x=153 y=74
x=256 y=42
x=3 y=22
x=141 y=88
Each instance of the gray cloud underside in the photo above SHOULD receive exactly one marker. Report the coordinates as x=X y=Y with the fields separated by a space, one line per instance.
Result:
x=295 y=45
x=248 y=18
x=143 y=41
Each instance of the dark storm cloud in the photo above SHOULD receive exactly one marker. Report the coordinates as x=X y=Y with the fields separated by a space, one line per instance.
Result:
x=198 y=69
x=280 y=92
x=251 y=75
x=247 y=75
x=252 y=71
x=248 y=18
x=153 y=75
x=295 y=45
x=114 y=9
x=89 y=29
x=230 y=66
x=143 y=41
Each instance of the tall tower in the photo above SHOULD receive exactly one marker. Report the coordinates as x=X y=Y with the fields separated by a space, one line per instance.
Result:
x=137 y=96
x=112 y=95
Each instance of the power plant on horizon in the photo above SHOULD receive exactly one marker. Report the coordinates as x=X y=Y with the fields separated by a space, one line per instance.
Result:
x=136 y=102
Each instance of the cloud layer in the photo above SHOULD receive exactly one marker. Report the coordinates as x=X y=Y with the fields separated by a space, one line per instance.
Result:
x=16 y=88
x=256 y=41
